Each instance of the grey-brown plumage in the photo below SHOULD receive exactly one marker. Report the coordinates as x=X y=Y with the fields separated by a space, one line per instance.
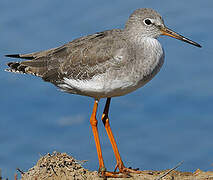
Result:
x=105 y=64
x=76 y=58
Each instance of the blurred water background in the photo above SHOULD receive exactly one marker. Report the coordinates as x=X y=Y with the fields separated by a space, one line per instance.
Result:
x=167 y=121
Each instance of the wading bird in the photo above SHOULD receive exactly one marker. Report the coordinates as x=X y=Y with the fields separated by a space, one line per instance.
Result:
x=104 y=65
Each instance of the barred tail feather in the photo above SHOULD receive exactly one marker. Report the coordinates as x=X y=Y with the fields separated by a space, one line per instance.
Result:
x=16 y=67
x=35 y=64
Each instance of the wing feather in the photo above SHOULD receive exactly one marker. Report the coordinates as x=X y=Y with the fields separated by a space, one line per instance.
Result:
x=78 y=58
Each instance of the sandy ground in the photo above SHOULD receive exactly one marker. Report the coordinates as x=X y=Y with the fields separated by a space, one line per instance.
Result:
x=60 y=166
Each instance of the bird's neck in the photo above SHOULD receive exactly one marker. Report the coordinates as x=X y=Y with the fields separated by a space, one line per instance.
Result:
x=138 y=37
x=149 y=54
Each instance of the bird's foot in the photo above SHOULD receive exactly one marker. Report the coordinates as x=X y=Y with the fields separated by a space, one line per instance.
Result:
x=107 y=174
x=130 y=170
x=123 y=169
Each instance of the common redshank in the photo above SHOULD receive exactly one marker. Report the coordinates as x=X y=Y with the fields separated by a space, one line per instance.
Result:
x=104 y=65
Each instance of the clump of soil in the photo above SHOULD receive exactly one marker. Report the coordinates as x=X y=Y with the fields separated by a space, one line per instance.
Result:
x=60 y=166
x=57 y=166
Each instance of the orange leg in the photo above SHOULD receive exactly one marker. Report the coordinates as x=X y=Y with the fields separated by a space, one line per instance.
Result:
x=94 y=122
x=119 y=165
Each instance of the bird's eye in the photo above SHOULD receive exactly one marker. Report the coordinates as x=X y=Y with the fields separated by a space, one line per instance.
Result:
x=148 y=22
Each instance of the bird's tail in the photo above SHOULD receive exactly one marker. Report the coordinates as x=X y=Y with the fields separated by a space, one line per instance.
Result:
x=21 y=67
x=16 y=67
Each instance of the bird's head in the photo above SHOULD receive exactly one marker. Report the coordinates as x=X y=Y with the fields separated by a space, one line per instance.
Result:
x=148 y=23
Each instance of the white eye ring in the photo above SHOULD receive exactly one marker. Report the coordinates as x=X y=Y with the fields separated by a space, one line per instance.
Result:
x=147 y=21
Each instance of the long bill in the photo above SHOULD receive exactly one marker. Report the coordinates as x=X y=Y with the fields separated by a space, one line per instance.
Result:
x=168 y=32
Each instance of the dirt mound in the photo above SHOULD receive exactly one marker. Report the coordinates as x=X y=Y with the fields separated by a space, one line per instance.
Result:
x=60 y=166
x=57 y=166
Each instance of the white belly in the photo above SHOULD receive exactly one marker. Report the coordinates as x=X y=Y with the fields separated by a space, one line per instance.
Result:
x=102 y=86
x=120 y=82
x=97 y=87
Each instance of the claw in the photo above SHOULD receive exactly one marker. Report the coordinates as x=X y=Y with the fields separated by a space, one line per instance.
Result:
x=130 y=170
x=107 y=174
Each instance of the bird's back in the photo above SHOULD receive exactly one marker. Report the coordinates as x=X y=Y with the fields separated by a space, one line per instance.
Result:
x=77 y=59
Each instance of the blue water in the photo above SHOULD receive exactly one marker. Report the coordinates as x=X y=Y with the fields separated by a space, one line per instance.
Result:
x=167 y=121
